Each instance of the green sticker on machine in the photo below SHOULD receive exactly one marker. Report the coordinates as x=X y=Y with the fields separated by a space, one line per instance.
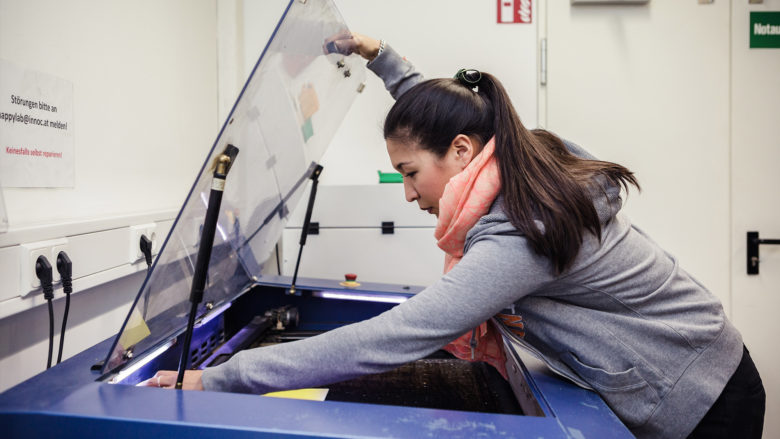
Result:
x=765 y=30
x=390 y=177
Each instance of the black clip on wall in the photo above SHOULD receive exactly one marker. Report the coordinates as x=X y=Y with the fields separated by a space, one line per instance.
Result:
x=222 y=165
x=753 y=242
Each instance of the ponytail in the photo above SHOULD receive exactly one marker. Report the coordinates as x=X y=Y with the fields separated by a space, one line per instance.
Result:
x=540 y=179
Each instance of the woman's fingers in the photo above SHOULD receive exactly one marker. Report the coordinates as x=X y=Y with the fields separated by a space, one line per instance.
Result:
x=341 y=42
x=163 y=379
x=166 y=379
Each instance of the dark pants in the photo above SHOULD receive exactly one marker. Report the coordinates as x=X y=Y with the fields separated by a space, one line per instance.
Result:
x=739 y=410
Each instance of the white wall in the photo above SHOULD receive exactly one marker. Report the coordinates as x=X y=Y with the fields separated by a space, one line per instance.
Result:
x=648 y=87
x=144 y=77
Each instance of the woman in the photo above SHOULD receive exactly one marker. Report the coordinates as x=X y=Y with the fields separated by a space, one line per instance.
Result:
x=534 y=238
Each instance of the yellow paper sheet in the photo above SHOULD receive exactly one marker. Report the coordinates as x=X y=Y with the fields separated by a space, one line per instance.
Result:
x=135 y=331
x=308 y=394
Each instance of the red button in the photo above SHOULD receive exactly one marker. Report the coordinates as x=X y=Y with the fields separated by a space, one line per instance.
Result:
x=350 y=277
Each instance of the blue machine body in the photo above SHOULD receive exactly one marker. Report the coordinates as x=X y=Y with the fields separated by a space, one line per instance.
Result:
x=72 y=399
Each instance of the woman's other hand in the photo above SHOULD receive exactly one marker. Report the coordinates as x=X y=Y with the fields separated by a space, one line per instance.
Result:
x=347 y=43
x=166 y=379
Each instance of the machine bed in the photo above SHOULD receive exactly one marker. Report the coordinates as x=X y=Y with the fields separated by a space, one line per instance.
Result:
x=440 y=381
x=433 y=397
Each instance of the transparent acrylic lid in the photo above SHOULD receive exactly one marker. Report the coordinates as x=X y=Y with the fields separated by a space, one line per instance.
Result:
x=290 y=108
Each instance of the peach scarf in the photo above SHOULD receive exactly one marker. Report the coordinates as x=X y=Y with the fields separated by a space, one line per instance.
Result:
x=466 y=198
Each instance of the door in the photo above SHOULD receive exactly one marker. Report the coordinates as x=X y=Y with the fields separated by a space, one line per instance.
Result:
x=673 y=91
x=646 y=86
x=755 y=180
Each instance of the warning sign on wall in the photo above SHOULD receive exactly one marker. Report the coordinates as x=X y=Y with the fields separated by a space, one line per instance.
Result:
x=36 y=128
x=514 y=11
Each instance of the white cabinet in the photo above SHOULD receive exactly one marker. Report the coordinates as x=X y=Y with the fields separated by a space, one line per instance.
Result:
x=351 y=240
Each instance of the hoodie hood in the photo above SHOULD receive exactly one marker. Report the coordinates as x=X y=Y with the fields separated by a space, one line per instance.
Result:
x=606 y=198
x=604 y=193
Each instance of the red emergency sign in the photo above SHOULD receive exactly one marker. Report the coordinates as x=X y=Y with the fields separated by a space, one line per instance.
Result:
x=514 y=11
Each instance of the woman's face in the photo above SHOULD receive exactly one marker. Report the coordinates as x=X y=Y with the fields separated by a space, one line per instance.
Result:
x=425 y=174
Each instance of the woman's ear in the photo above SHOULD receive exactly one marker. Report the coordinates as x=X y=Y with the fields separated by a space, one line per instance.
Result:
x=463 y=148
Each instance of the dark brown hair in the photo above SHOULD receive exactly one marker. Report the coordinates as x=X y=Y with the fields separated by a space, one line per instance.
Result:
x=540 y=179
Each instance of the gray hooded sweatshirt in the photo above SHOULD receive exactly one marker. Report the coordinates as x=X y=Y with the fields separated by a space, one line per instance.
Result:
x=625 y=320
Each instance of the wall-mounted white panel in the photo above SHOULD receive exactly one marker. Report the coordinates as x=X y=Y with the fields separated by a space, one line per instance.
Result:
x=350 y=238
x=95 y=252
x=98 y=257
x=361 y=206
x=9 y=272
x=406 y=257
x=162 y=231
x=3 y=215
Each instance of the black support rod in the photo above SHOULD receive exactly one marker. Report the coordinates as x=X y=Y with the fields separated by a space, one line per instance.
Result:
x=221 y=167
x=315 y=179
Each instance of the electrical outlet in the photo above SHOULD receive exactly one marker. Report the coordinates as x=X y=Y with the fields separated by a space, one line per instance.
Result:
x=135 y=240
x=28 y=256
x=55 y=250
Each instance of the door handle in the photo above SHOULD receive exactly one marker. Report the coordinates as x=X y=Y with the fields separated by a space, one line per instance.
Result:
x=753 y=241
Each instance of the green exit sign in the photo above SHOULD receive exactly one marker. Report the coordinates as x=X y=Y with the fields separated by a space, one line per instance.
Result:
x=765 y=29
